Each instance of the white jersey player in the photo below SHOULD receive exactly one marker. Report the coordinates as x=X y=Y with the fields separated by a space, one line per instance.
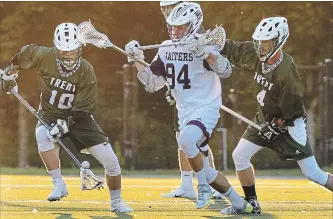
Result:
x=192 y=73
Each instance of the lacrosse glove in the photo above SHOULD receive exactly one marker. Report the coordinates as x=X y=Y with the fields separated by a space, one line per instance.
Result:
x=270 y=131
x=57 y=130
x=132 y=49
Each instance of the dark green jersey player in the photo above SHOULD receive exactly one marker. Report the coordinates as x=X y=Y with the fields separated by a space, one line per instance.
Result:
x=67 y=102
x=281 y=110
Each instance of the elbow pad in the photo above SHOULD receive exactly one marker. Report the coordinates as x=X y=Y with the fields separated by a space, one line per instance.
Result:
x=150 y=81
x=221 y=67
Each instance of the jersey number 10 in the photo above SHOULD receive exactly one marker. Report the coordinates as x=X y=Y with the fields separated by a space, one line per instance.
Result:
x=182 y=77
x=65 y=101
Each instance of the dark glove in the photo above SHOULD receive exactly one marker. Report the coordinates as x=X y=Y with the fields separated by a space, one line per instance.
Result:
x=6 y=86
x=169 y=97
x=270 y=131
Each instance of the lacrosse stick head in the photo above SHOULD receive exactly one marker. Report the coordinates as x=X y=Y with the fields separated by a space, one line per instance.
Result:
x=87 y=33
x=216 y=37
x=89 y=180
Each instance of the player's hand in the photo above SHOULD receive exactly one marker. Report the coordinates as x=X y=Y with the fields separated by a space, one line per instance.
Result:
x=57 y=130
x=270 y=131
x=132 y=49
x=7 y=82
x=169 y=97
x=197 y=46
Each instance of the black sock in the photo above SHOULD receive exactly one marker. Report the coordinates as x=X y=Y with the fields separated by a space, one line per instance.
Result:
x=250 y=191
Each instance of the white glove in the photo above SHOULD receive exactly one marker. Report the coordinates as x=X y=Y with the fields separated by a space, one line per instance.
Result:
x=197 y=46
x=132 y=49
x=57 y=130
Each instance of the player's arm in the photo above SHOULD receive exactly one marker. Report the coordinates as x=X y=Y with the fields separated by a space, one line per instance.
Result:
x=219 y=64
x=240 y=54
x=85 y=97
x=153 y=76
x=27 y=57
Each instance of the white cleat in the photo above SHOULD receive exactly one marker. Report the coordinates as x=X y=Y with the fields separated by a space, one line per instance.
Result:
x=204 y=194
x=59 y=190
x=231 y=210
x=216 y=195
x=118 y=205
x=180 y=193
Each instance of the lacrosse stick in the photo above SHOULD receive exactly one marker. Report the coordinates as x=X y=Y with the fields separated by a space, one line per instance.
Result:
x=215 y=37
x=88 y=34
x=88 y=179
x=241 y=117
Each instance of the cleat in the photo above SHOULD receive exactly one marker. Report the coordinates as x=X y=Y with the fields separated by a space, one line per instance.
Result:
x=204 y=194
x=231 y=210
x=216 y=195
x=59 y=190
x=119 y=206
x=180 y=193
x=255 y=204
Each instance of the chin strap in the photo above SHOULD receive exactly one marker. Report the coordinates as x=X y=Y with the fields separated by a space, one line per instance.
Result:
x=68 y=73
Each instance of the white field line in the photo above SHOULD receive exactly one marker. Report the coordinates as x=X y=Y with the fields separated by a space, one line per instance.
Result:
x=184 y=201
x=8 y=186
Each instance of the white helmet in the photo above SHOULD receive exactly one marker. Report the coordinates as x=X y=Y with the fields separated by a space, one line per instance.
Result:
x=65 y=39
x=167 y=6
x=186 y=13
x=269 y=29
x=168 y=3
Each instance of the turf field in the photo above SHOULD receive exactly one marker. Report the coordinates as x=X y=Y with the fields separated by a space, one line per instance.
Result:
x=24 y=196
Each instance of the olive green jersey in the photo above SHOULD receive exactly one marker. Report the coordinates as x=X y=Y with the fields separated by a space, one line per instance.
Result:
x=279 y=91
x=59 y=95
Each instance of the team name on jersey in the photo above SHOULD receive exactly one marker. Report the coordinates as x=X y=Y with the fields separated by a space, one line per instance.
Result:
x=179 y=56
x=64 y=85
x=261 y=80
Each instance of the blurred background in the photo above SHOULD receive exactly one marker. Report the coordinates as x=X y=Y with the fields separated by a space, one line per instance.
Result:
x=139 y=124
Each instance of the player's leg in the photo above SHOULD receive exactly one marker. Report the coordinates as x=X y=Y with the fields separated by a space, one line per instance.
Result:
x=312 y=171
x=222 y=185
x=106 y=156
x=210 y=160
x=242 y=155
x=186 y=187
x=190 y=135
x=50 y=157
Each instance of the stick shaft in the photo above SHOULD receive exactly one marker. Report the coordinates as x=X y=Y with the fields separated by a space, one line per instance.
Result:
x=241 y=117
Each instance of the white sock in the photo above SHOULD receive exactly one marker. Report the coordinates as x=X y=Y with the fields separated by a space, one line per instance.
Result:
x=187 y=180
x=115 y=194
x=56 y=173
x=201 y=177
x=234 y=198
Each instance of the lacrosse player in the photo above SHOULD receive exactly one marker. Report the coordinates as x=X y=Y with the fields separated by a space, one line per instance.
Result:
x=186 y=187
x=281 y=109
x=68 y=100
x=192 y=72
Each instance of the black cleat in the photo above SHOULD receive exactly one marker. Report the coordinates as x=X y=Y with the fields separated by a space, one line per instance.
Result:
x=255 y=204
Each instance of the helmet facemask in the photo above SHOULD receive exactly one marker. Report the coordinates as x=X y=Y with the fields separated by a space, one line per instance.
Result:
x=266 y=49
x=178 y=33
x=69 y=59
